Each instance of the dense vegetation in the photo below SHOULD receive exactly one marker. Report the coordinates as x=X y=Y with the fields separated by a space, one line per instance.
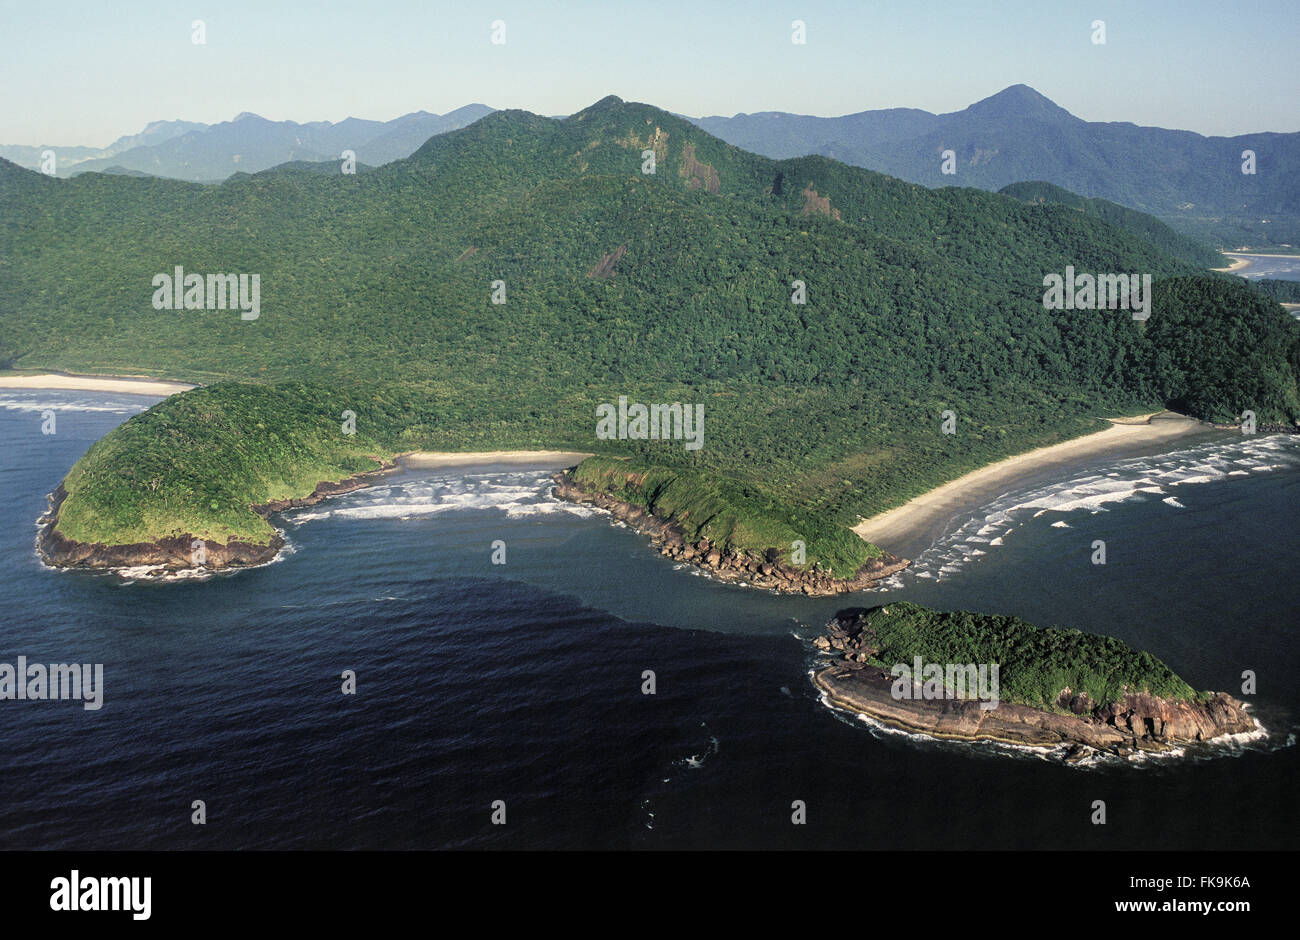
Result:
x=376 y=297
x=1034 y=663
x=206 y=458
x=1145 y=227
x=1283 y=291
x=725 y=511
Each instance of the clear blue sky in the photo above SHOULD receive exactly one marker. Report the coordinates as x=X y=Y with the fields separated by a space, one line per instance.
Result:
x=86 y=72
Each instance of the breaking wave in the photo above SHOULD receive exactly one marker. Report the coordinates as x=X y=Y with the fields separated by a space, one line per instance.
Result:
x=37 y=401
x=1139 y=478
x=518 y=494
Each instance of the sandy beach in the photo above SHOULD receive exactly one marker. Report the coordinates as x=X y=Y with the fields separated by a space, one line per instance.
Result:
x=1244 y=259
x=1237 y=264
x=539 y=458
x=94 y=383
x=895 y=529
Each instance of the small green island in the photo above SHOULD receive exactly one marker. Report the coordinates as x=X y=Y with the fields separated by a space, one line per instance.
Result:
x=1050 y=688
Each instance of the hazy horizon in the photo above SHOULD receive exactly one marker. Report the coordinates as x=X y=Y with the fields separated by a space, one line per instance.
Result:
x=89 y=75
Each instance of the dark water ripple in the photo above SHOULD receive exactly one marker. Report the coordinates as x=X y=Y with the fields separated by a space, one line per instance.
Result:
x=522 y=683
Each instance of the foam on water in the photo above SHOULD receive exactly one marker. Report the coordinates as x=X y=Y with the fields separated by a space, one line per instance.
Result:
x=1093 y=491
x=38 y=400
x=158 y=574
x=519 y=494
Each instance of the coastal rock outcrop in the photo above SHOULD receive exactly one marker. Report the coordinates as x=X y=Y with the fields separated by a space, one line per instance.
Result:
x=172 y=553
x=1137 y=722
x=176 y=553
x=763 y=570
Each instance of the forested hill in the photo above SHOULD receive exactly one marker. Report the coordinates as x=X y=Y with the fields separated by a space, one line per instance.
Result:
x=1144 y=226
x=1194 y=183
x=377 y=290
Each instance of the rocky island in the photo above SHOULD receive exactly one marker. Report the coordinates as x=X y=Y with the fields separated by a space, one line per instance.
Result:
x=1053 y=688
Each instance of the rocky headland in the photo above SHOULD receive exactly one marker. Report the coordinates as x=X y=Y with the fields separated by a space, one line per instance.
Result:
x=1135 y=722
x=176 y=553
x=762 y=570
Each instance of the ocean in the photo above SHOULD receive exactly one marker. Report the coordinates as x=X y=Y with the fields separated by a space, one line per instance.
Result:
x=1278 y=267
x=522 y=682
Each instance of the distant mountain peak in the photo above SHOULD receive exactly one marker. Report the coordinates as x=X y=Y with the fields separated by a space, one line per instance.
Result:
x=613 y=113
x=1019 y=101
x=244 y=115
x=604 y=105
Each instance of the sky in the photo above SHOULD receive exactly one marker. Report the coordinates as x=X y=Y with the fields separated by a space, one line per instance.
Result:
x=82 y=73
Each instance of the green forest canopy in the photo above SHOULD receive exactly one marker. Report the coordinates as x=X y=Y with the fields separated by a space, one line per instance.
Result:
x=376 y=297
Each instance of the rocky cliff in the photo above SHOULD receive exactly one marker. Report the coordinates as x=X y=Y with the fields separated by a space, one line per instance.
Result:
x=175 y=553
x=726 y=564
x=1135 y=722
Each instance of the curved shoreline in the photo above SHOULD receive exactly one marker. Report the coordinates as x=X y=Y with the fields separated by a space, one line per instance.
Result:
x=898 y=529
x=894 y=528
x=1244 y=259
x=1236 y=265
x=1026 y=730
x=905 y=524
x=745 y=568
x=174 y=554
x=119 y=384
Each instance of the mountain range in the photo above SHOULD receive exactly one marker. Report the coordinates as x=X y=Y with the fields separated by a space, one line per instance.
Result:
x=1194 y=183
x=248 y=144
x=1191 y=182
x=508 y=279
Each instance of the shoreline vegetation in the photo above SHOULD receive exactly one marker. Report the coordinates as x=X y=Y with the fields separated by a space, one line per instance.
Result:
x=676 y=536
x=725 y=545
x=1054 y=687
x=855 y=341
x=687 y=516
x=1244 y=259
x=1235 y=265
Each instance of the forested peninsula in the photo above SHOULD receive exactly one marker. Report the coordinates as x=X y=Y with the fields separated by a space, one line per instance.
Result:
x=853 y=340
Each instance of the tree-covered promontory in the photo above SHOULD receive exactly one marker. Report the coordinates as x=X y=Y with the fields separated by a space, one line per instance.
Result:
x=379 y=296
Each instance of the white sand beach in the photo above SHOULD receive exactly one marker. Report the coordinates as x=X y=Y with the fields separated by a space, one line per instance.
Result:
x=902 y=523
x=548 y=458
x=1237 y=263
x=94 y=383
x=1244 y=259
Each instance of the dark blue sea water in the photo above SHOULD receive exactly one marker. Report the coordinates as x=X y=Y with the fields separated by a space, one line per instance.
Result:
x=522 y=682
